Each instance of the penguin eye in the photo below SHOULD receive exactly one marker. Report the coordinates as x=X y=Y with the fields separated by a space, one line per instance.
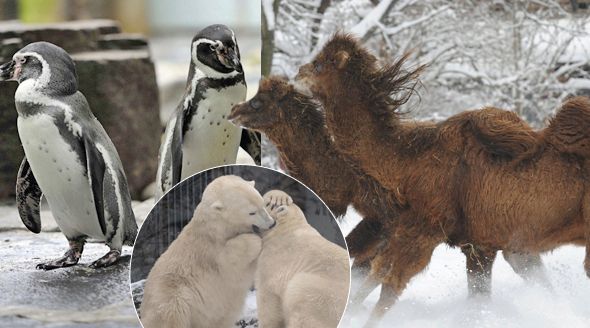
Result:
x=21 y=60
x=212 y=47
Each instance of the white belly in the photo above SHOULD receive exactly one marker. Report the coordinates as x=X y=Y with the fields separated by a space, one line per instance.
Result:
x=211 y=139
x=60 y=176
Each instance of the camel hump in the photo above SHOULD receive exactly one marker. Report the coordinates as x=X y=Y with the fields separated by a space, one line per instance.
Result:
x=503 y=133
x=569 y=130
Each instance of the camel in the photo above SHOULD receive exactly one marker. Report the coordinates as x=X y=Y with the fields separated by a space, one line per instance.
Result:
x=294 y=123
x=460 y=187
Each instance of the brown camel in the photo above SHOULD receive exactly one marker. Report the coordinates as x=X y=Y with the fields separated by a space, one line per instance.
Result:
x=294 y=123
x=524 y=193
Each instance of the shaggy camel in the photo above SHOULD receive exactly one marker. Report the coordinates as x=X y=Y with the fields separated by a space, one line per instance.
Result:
x=460 y=186
x=294 y=123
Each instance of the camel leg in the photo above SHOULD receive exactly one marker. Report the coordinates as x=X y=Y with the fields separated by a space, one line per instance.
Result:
x=479 y=269
x=406 y=255
x=528 y=266
x=364 y=236
x=369 y=284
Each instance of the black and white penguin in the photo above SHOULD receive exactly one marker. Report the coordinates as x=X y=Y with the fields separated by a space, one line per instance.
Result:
x=198 y=135
x=69 y=157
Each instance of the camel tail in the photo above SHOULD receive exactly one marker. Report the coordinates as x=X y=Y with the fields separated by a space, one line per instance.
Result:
x=569 y=130
x=503 y=134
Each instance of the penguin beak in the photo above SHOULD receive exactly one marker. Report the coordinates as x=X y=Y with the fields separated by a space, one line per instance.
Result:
x=7 y=71
x=229 y=58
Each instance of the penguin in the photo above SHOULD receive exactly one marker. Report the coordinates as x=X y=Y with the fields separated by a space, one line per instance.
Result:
x=69 y=158
x=198 y=135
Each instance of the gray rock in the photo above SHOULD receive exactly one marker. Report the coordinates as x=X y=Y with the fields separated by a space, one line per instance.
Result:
x=121 y=89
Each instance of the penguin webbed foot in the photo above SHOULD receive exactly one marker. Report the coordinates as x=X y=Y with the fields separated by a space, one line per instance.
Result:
x=70 y=258
x=108 y=259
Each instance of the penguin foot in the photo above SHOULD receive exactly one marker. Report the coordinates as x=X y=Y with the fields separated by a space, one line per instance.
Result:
x=109 y=259
x=70 y=258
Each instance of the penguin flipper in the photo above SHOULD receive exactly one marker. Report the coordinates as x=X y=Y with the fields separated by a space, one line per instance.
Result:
x=95 y=167
x=176 y=148
x=28 y=197
x=170 y=157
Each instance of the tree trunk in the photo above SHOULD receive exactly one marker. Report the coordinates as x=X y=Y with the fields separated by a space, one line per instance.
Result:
x=268 y=39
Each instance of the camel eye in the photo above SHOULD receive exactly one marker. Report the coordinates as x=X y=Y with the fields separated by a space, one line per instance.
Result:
x=318 y=67
x=252 y=213
x=255 y=103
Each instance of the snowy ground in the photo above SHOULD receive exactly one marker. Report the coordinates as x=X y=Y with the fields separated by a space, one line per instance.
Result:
x=438 y=296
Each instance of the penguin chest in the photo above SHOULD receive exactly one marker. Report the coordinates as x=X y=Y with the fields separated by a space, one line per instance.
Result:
x=211 y=140
x=61 y=175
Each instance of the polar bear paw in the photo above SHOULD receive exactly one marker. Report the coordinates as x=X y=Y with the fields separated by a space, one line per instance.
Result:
x=279 y=211
x=276 y=198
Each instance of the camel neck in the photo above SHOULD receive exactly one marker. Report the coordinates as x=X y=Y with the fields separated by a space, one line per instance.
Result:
x=359 y=131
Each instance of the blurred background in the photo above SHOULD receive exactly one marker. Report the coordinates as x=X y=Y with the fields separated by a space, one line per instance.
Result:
x=132 y=58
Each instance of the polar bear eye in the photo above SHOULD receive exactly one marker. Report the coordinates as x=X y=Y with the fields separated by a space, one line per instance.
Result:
x=252 y=213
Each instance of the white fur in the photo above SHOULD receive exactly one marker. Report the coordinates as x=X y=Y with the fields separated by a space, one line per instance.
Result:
x=203 y=277
x=302 y=279
x=59 y=173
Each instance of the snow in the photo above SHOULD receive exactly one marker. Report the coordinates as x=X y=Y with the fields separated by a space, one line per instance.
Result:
x=438 y=298
x=370 y=20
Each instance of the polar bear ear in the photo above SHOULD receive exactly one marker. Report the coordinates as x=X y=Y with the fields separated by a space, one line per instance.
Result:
x=217 y=206
x=252 y=183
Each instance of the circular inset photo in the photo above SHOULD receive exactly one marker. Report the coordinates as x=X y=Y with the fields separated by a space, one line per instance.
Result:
x=240 y=246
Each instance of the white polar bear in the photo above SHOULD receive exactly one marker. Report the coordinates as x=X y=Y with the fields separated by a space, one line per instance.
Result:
x=203 y=277
x=302 y=279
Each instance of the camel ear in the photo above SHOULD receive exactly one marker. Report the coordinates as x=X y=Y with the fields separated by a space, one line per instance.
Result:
x=218 y=206
x=341 y=59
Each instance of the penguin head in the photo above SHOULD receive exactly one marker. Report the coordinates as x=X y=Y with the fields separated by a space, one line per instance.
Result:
x=215 y=52
x=46 y=67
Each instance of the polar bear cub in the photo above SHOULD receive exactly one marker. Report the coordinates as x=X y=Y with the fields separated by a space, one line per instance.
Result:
x=302 y=279
x=203 y=277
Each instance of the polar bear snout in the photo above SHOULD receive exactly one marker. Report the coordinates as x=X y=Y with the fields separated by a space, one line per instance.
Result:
x=264 y=222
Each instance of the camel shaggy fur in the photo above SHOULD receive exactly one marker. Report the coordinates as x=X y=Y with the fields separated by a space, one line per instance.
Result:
x=525 y=193
x=293 y=122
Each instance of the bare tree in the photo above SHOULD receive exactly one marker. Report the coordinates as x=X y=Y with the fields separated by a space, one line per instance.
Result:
x=524 y=55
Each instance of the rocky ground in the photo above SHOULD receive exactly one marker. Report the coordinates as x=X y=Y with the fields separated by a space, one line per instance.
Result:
x=72 y=297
